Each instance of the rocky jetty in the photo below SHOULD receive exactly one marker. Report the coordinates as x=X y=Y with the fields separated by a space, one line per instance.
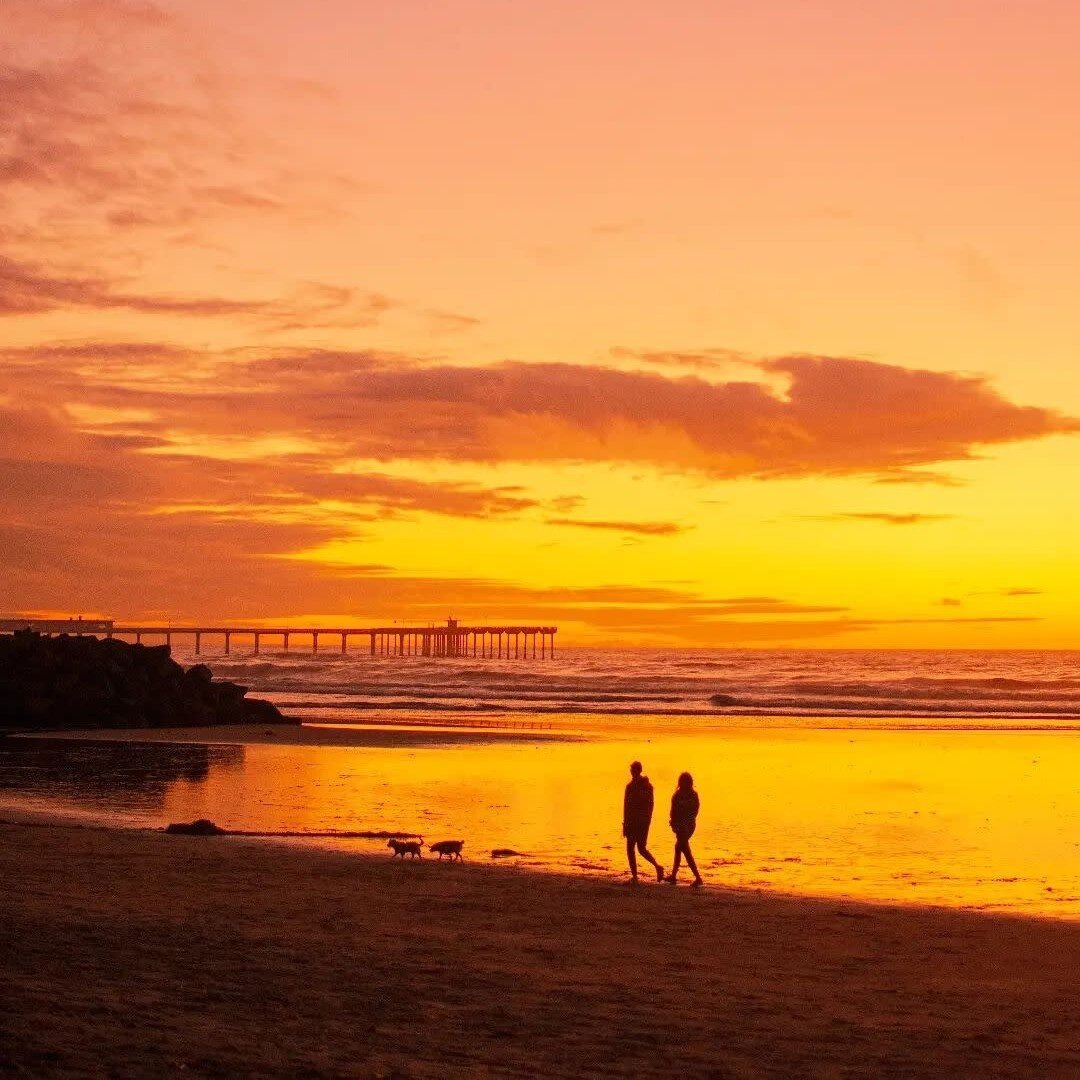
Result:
x=49 y=683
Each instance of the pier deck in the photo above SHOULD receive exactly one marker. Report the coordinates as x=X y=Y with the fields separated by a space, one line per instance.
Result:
x=453 y=640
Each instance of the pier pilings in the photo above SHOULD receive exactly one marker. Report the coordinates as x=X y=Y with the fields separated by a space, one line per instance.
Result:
x=505 y=642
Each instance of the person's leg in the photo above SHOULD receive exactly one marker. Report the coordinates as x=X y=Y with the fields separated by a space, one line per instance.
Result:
x=690 y=861
x=677 y=859
x=631 y=858
x=646 y=854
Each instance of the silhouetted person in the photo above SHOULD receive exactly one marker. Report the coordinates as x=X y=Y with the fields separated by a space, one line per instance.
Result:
x=684 y=811
x=636 y=819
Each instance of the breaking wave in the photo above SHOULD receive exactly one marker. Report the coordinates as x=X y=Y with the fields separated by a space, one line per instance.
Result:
x=858 y=688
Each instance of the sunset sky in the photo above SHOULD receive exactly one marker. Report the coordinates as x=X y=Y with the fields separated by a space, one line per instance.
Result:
x=698 y=323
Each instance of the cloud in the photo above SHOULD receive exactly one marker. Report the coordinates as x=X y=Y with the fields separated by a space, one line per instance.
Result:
x=640 y=528
x=837 y=416
x=87 y=524
x=67 y=470
x=832 y=416
x=886 y=518
x=191 y=566
x=1020 y=591
x=918 y=476
x=91 y=527
x=26 y=289
x=319 y=305
x=449 y=322
x=129 y=468
x=29 y=289
x=301 y=482
x=712 y=359
x=124 y=120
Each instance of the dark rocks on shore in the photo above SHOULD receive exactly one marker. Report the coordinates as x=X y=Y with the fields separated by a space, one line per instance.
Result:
x=49 y=683
x=202 y=827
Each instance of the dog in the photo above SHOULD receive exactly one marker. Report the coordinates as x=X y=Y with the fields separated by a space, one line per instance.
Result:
x=448 y=847
x=412 y=848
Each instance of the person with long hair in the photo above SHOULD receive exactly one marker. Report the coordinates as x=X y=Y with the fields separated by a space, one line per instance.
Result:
x=685 y=805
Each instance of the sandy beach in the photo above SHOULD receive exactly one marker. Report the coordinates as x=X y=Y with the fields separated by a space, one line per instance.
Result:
x=132 y=953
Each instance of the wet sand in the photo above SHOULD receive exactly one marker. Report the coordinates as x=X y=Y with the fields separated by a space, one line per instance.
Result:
x=134 y=953
x=388 y=735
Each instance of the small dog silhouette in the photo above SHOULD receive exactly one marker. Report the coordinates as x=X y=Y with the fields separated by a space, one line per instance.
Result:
x=412 y=848
x=448 y=847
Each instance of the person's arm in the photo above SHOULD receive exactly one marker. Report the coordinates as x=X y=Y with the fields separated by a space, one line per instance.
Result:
x=696 y=806
x=625 y=808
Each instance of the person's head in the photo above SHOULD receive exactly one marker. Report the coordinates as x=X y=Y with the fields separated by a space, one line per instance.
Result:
x=635 y=768
x=686 y=782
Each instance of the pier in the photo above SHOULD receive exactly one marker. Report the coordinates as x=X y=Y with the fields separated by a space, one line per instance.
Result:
x=452 y=640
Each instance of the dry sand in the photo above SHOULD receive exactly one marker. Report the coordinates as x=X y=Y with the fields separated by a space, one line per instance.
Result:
x=133 y=954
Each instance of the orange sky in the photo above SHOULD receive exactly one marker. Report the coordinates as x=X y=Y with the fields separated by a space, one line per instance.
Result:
x=702 y=323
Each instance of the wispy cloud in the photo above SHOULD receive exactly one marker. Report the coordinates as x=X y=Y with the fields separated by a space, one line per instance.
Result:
x=29 y=289
x=918 y=476
x=885 y=518
x=711 y=359
x=639 y=528
x=450 y=322
x=126 y=122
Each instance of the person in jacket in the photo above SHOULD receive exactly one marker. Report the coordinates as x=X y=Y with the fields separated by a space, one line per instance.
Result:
x=637 y=817
x=684 y=811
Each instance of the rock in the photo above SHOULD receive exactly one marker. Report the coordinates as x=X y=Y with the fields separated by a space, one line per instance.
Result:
x=257 y=711
x=198 y=673
x=49 y=683
x=202 y=827
x=504 y=853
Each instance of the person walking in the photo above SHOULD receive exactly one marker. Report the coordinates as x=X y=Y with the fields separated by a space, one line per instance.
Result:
x=636 y=819
x=685 y=805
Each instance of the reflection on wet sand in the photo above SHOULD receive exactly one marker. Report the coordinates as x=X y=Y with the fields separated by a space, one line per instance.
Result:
x=112 y=776
x=973 y=819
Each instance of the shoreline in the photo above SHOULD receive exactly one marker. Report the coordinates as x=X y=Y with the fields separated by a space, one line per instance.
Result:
x=231 y=955
x=387 y=736
x=14 y=817
x=423 y=733
x=898 y=835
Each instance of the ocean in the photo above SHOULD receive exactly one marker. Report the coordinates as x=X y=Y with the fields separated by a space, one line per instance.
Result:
x=945 y=778
x=691 y=689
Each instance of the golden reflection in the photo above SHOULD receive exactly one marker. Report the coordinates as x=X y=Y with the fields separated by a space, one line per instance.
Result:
x=976 y=819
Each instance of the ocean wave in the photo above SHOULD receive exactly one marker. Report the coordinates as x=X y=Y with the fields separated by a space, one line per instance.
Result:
x=928 y=686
